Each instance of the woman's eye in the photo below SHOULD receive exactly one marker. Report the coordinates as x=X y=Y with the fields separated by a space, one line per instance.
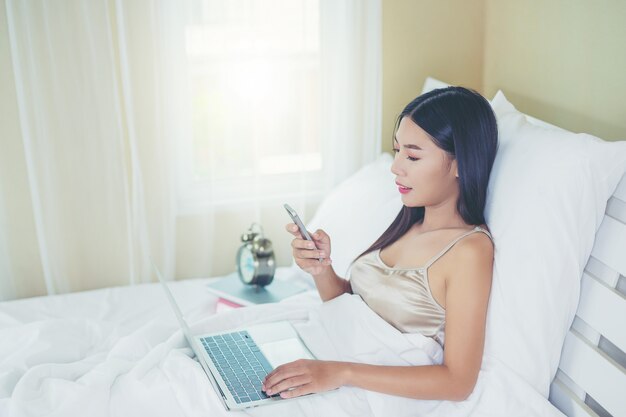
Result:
x=410 y=158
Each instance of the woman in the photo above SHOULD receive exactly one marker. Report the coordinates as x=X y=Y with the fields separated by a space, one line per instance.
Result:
x=431 y=270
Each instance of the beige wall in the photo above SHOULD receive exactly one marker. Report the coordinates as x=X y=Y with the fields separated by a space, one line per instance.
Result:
x=442 y=38
x=563 y=61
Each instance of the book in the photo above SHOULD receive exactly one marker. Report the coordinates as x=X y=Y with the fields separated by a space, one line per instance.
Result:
x=232 y=293
x=225 y=305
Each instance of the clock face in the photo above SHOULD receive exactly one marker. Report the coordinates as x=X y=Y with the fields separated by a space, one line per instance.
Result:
x=245 y=263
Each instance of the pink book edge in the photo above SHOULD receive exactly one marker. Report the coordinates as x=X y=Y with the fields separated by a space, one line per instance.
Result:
x=228 y=303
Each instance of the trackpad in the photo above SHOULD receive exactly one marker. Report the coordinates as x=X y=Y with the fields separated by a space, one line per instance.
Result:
x=284 y=351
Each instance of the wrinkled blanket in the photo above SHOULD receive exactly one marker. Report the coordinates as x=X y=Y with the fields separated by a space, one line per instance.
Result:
x=91 y=365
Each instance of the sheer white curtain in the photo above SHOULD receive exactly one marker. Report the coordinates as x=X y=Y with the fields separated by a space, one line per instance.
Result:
x=162 y=128
x=7 y=287
x=93 y=145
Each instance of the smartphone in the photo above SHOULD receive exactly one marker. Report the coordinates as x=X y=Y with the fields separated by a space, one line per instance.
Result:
x=296 y=219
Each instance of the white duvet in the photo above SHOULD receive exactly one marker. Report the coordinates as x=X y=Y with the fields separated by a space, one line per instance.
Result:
x=118 y=352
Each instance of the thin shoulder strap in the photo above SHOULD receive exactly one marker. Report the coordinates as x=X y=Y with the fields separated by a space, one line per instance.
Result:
x=447 y=248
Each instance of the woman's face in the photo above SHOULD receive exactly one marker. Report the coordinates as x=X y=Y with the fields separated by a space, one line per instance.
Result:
x=427 y=171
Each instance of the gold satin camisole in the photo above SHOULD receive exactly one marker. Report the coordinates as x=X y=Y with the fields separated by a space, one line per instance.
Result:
x=402 y=296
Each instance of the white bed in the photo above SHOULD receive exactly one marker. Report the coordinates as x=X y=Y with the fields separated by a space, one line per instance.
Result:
x=118 y=351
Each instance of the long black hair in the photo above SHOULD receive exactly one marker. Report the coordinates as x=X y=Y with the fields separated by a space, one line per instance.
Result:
x=462 y=123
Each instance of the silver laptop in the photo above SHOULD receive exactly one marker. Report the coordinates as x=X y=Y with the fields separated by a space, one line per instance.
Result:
x=237 y=361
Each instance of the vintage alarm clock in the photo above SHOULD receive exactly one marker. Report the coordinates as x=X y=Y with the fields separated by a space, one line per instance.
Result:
x=255 y=258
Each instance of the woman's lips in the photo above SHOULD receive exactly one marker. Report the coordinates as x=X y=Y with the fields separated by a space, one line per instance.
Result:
x=403 y=189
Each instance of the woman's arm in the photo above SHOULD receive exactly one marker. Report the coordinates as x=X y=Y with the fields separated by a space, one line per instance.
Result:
x=434 y=382
x=467 y=294
x=331 y=285
x=307 y=256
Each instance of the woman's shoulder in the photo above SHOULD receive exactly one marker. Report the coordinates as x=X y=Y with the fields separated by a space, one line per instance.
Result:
x=476 y=250
x=461 y=242
x=478 y=236
x=483 y=234
x=476 y=243
x=477 y=240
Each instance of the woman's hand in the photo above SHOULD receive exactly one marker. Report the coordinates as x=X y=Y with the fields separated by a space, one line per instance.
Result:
x=305 y=376
x=304 y=251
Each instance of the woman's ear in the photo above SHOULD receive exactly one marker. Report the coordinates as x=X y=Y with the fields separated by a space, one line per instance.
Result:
x=455 y=168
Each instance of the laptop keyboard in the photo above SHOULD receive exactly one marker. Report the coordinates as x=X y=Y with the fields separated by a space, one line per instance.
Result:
x=240 y=363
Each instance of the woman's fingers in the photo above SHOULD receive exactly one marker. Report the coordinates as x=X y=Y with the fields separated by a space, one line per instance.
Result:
x=287 y=383
x=302 y=244
x=285 y=371
x=309 y=254
x=319 y=235
x=293 y=229
x=305 y=249
x=297 y=392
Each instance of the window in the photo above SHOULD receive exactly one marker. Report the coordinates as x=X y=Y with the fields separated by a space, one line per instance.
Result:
x=254 y=83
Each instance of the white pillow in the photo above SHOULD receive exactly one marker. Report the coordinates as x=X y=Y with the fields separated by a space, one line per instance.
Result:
x=433 y=83
x=546 y=198
x=358 y=211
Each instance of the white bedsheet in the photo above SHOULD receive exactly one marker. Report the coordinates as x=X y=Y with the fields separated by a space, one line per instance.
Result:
x=119 y=352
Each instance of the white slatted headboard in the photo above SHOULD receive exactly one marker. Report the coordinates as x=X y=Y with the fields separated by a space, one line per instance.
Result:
x=591 y=380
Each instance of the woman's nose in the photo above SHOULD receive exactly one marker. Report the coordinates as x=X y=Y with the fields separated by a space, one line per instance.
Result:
x=395 y=167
